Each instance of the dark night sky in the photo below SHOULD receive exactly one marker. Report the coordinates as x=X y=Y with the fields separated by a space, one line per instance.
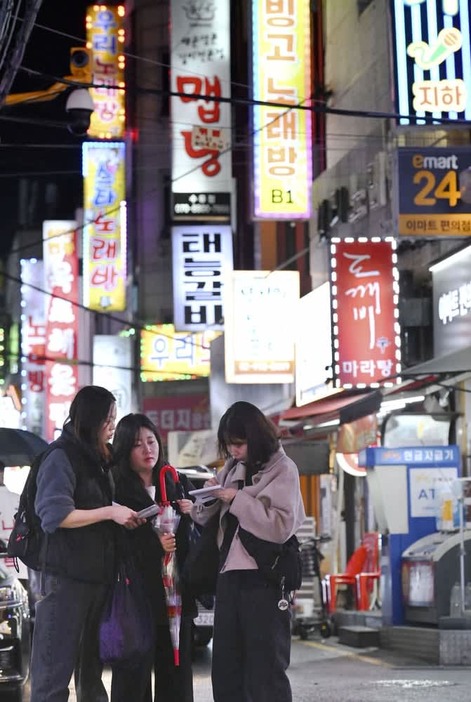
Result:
x=48 y=52
x=32 y=150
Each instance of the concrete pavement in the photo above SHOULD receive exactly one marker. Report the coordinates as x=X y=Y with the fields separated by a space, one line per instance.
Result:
x=332 y=672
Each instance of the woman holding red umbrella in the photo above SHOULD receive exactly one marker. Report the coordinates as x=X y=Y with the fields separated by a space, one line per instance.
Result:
x=139 y=464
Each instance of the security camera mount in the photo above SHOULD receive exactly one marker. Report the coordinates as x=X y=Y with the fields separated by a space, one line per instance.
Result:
x=79 y=79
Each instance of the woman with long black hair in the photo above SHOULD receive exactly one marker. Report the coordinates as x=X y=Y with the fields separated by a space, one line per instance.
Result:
x=139 y=459
x=260 y=493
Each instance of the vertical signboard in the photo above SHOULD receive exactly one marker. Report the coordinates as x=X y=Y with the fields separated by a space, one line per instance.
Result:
x=260 y=326
x=33 y=343
x=433 y=189
x=281 y=57
x=202 y=256
x=452 y=303
x=104 y=233
x=314 y=346
x=61 y=282
x=201 y=112
x=432 y=52
x=365 y=314
x=105 y=38
x=112 y=368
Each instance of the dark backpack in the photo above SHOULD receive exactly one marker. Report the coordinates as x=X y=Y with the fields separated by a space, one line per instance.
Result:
x=27 y=540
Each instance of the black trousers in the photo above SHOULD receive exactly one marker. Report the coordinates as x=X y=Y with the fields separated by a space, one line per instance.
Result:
x=172 y=683
x=252 y=641
x=66 y=638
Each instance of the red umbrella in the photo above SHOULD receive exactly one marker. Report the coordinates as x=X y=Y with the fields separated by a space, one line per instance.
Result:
x=167 y=522
x=167 y=468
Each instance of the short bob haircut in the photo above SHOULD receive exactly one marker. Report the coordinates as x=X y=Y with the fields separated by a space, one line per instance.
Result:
x=124 y=440
x=88 y=411
x=245 y=422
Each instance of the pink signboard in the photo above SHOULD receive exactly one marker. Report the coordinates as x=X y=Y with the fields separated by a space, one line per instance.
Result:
x=61 y=282
x=184 y=413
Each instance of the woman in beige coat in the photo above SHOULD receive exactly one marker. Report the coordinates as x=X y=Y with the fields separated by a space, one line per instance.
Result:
x=260 y=493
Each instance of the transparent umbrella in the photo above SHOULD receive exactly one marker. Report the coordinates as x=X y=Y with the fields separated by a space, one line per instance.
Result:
x=166 y=522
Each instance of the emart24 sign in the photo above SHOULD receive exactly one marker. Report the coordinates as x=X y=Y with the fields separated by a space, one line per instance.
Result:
x=434 y=192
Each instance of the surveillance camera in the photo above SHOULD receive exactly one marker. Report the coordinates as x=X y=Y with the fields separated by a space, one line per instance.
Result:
x=79 y=108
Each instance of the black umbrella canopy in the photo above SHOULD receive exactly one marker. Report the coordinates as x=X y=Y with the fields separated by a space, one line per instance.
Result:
x=18 y=447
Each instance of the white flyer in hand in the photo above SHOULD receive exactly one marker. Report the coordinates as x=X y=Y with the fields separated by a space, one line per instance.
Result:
x=205 y=493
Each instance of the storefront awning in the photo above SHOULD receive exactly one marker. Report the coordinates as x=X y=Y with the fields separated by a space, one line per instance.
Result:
x=343 y=406
x=452 y=363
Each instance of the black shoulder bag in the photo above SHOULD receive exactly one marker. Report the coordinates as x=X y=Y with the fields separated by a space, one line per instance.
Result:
x=202 y=564
x=280 y=564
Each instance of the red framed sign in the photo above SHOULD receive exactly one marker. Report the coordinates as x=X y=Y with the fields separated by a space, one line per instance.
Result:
x=365 y=326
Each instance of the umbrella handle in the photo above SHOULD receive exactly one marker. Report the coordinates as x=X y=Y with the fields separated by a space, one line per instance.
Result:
x=167 y=468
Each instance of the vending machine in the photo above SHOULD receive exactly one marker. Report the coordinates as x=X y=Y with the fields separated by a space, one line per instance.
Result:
x=402 y=483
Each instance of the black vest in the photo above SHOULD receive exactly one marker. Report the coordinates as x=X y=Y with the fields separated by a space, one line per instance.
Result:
x=85 y=553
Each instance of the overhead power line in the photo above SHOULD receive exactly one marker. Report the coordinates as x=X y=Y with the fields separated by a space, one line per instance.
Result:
x=14 y=46
x=319 y=107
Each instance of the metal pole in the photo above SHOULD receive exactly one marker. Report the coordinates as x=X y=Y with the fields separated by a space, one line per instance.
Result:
x=462 y=551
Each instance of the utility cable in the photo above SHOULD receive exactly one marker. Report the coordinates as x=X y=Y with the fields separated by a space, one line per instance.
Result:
x=320 y=108
x=130 y=325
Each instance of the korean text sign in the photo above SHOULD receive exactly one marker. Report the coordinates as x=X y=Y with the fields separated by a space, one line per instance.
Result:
x=105 y=36
x=281 y=47
x=452 y=303
x=201 y=256
x=104 y=247
x=33 y=344
x=434 y=192
x=431 y=44
x=365 y=313
x=170 y=355
x=178 y=413
x=201 y=127
x=61 y=282
x=260 y=313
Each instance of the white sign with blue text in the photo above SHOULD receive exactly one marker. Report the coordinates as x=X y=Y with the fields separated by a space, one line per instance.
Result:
x=422 y=489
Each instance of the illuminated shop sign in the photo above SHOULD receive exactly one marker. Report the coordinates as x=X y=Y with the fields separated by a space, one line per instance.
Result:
x=366 y=331
x=452 y=303
x=202 y=255
x=314 y=346
x=437 y=456
x=260 y=326
x=104 y=233
x=105 y=38
x=201 y=127
x=432 y=59
x=281 y=57
x=61 y=282
x=112 y=368
x=33 y=344
x=434 y=192
x=170 y=355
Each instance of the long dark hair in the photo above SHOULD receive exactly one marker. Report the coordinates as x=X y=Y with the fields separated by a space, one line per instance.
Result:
x=125 y=437
x=88 y=411
x=244 y=421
